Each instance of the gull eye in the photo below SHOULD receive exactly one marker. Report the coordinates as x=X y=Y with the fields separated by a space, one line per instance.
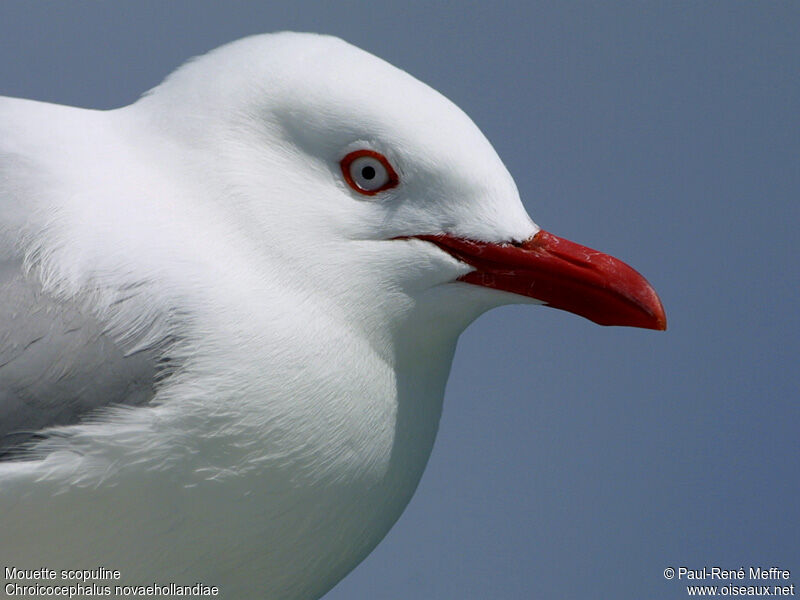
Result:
x=368 y=172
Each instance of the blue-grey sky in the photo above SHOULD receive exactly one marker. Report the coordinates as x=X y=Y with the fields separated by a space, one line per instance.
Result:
x=573 y=461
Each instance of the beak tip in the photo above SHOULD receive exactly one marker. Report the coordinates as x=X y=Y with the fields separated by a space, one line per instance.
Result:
x=661 y=320
x=657 y=316
x=659 y=313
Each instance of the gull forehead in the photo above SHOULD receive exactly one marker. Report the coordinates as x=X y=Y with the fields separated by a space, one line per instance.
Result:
x=327 y=82
x=318 y=96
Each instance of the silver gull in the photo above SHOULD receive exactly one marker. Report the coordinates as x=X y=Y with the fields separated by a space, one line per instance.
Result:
x=228 y=313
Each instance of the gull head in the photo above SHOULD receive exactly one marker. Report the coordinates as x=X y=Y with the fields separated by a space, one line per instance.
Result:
x=354 y=180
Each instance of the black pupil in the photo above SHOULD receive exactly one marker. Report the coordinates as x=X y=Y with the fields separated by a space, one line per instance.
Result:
x=368 y=172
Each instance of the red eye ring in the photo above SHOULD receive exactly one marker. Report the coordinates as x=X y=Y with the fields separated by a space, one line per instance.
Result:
x=392 y=178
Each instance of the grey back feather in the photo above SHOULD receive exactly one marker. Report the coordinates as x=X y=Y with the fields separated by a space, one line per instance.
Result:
x=57 y=364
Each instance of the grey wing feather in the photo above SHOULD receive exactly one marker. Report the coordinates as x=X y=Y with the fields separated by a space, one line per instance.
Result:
x=57 y=364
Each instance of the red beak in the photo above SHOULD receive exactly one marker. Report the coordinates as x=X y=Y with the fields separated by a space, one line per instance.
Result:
x=563 y=275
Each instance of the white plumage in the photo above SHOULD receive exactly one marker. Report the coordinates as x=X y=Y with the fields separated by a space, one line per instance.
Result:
x=279 y=340
x=308 y=352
